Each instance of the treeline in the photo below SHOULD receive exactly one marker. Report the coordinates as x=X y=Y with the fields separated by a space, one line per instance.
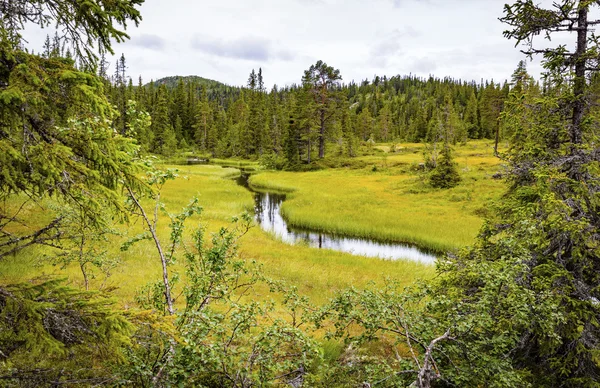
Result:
x=298 y=123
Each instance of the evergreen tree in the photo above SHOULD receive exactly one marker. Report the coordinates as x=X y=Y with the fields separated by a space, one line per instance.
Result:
x=490 y=107
x=56 y=141
x=203 y=120
x=164 y=141
x=443 y=132
x=384 y=124
x=471 y=117
x=527 y=290
x=321 y=81
x=445 y=175
x=364 y=125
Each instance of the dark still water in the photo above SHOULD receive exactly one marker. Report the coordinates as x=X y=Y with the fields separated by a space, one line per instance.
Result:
x=267 y=209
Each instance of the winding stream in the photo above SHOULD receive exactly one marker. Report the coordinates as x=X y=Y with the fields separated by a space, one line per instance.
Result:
x=267 y=209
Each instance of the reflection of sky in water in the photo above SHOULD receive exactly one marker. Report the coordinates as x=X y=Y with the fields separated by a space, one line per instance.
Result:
x=267 y=209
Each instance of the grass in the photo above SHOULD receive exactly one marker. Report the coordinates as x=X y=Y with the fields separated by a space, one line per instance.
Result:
x=389 y=201
x=318 y=274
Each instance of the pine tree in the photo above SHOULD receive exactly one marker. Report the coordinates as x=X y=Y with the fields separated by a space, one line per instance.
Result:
x=445 y=175
x=321 y=81
x=364 y=125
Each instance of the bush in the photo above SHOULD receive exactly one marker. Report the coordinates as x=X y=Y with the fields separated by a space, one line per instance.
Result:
x=445 y=175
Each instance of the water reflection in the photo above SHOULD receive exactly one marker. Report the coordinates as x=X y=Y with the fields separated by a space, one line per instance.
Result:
x=268 y=216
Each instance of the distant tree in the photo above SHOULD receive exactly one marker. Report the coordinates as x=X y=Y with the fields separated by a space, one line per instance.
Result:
x=442 y=134
x=322 y=82
x=445 y=175
x=260 y=83
x=255 y=136
x=364 y=124
x=252 y=81
x=203 y=120
x=471 y=117
x=164 y=140
x=292 y=137
x=384 y=123
x=490 y=107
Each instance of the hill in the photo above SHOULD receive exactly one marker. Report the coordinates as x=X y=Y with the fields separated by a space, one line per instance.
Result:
x=172 y=81
x=210 y=85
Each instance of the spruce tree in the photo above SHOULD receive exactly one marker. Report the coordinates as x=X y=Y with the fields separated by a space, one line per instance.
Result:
x=203 y=120
x=164 y=141
x=528 y=290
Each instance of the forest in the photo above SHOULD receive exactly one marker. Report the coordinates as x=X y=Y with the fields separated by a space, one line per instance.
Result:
x=293 y=126
x=400 y=231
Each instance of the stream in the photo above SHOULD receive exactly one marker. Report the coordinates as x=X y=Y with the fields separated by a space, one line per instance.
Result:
x=267 y=209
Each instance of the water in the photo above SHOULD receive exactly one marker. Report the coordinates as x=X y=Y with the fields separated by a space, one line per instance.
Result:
x=267 y=211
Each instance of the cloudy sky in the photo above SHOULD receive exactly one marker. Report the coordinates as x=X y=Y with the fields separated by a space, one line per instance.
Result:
x=225 y=39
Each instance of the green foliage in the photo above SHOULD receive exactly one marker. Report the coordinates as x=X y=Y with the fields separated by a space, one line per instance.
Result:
x=527 y=291
x=84 y=243
x=321 y=88
x=221 y=337
x=85 y=24
x=247 y=345
x=445 y=174
x=271 y=161
x=53 y=334
x=57 y=141
x=427 y=336
x=139 y=123
x=212 y=87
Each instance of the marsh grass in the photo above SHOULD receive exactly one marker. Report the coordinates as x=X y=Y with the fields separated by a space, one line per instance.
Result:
x=393 y=201
x=318 y=274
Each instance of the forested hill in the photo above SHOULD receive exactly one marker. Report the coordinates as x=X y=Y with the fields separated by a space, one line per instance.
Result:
x=214 y=89
x=172 y=81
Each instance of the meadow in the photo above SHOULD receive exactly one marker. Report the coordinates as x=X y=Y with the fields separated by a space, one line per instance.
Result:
x=386 y=199
x=389 y=198
x=318 y=274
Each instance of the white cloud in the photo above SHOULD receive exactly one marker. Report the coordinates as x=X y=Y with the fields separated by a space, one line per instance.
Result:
x=225 y=39
x=148 y=41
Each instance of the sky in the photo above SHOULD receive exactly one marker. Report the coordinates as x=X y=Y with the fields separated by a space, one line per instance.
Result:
x=225 y=39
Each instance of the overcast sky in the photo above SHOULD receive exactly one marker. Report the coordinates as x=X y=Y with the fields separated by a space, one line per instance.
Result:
x=225 y=39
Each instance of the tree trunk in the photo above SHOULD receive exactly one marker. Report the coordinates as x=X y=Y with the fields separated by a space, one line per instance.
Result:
x=579 y=83
x=497 y=141
x=163 y=259
x=322 y=136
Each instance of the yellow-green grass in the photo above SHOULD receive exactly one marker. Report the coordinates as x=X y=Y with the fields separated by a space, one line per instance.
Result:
x=317 y=273
x=240 y=163
x=392 y=202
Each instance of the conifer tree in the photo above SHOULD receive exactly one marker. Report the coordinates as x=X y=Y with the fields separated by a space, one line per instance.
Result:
x=471 y=117
x=203 y=120
x=56 y=140
x=292 y=139
x=527 y=290
x=164 y=141
x=321 y=81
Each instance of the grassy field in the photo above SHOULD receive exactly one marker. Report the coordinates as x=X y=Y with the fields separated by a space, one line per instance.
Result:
x=390 y=200
x=317 y=273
